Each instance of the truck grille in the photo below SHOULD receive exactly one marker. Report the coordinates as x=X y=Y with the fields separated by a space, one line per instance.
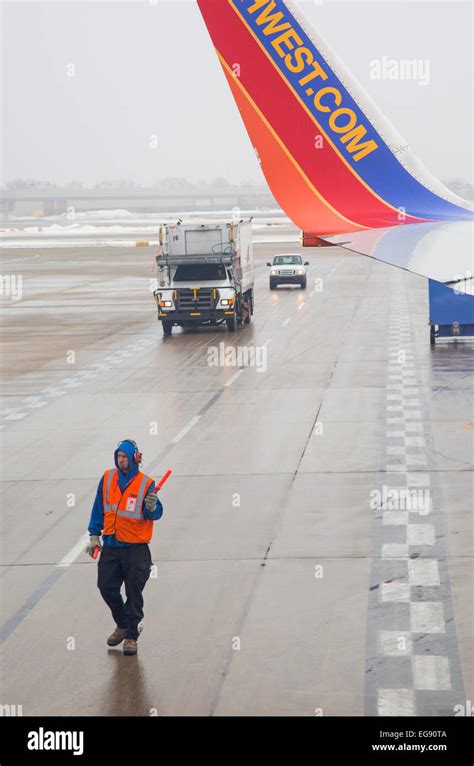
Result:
x=196 y=300
x=287 y=272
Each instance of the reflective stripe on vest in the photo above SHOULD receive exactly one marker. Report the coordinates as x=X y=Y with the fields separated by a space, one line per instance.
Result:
x=109 y=506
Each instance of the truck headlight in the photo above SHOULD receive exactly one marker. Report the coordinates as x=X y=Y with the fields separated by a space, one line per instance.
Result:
x=166 y=304
x=274 y=271
x=300 y=271
x=226 y=301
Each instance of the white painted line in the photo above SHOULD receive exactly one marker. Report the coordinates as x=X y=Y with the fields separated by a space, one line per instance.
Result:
x=267 y=342
x=431 y=673
x=418 y=480
x=396 y=450
x=420 y=534
x=35 y=405
x=234 y=377
x=423 y=572
x=394 y=643
x=415 y=415
x=75 y=551
x=396 y=702
x=17 y=260
x=395 y=434
x=287 y=321
x=395 y=591
x=395 y=517
x=74 y=384
x=414 y=459
x=16 y=416
x=53 y=391
x=427 y=617
x=394 y=551
x=302 y=305
x=414 y=427
x=415 y=441
x=185 y=430
x=396 y=468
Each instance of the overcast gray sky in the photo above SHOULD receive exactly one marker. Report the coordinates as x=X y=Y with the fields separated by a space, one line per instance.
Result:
x=148 y=68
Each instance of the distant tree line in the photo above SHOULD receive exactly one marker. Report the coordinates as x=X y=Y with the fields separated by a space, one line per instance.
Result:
x=168 y=184
x=457 y=185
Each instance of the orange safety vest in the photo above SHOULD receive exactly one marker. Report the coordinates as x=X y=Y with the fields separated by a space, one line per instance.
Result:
x=123 y=514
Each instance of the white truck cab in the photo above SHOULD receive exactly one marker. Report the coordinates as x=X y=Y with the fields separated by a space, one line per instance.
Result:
x=288 y=269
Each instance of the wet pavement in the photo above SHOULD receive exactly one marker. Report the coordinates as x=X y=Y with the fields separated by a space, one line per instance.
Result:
x=278 y=589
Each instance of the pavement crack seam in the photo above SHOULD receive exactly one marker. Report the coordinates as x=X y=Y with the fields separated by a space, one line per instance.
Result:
x=281 y=512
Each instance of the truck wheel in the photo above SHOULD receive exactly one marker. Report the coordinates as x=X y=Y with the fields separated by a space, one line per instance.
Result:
x=231 y=323
x=272 y=284
x=432 y=335
x=303 y=284
x=247 y=305
x=167 y=326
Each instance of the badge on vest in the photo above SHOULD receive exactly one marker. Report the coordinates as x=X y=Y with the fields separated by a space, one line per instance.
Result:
x=131 y=503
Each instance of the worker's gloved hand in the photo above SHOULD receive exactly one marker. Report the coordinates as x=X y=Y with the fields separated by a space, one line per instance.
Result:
x=150 y=502
x=94 y=542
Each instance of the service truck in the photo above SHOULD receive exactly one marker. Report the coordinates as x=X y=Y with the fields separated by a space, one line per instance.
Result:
x=205 y=274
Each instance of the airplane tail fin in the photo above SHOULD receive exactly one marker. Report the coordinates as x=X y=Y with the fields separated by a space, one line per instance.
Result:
x=332 y=160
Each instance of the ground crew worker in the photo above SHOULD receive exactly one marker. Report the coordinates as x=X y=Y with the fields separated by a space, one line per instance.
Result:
x=124 y=511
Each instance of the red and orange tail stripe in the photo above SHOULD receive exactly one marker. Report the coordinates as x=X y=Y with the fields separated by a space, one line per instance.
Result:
x=326 y=165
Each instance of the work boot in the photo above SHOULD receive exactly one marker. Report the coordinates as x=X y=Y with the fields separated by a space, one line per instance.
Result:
x=130 y=646
x=117 y=637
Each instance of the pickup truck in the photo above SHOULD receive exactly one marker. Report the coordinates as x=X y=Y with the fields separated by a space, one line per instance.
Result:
x=288 y=270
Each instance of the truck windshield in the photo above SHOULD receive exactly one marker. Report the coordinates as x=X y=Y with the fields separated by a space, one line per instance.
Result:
x=280 y=260
x=200 y=272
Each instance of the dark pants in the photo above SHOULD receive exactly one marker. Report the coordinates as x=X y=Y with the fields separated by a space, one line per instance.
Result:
x=130 y=566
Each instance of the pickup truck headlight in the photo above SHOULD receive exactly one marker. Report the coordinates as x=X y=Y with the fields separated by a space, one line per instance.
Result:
x=274 y=271
x=166 y=304
x=300 y=271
